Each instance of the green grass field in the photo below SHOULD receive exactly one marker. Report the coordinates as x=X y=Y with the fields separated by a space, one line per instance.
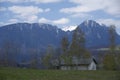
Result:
x=34 y=74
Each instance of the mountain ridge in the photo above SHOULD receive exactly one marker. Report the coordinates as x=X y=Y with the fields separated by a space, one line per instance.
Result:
x=33 y=34
x=40 y=35
x=97 y=35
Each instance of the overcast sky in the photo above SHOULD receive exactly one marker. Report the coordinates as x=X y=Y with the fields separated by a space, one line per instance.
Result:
x=63 y=13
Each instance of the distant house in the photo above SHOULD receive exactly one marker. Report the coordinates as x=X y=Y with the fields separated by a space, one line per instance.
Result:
x=79 y=64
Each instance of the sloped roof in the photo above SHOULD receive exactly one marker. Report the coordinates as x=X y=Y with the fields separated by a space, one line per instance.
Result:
x=79 y=61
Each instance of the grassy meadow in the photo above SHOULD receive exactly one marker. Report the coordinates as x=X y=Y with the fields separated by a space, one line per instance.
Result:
x=35 y=74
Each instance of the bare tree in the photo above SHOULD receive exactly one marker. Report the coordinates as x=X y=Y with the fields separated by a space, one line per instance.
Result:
x=10 y=51
x=34 y=58
x=109 y=61
x=112 y=33
x=47 y=60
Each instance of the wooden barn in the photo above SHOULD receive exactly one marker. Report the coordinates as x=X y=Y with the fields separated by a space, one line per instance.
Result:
x=79 y=64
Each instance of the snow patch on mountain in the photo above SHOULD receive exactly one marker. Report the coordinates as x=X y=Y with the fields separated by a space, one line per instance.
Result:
x=69 y=28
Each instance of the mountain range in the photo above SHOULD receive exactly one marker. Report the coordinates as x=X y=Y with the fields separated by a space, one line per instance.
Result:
x=39 y=35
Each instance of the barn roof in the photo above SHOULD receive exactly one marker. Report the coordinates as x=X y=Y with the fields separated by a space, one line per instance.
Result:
x=79 y=61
